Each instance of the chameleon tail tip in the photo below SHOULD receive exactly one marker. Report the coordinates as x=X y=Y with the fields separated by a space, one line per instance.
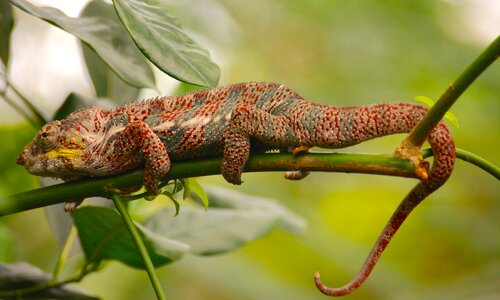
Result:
x=341 y=291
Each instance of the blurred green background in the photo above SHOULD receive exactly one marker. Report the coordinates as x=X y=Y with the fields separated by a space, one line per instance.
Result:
x=332 y=52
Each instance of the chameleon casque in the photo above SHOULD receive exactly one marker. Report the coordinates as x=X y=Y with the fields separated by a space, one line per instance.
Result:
x=231 y=121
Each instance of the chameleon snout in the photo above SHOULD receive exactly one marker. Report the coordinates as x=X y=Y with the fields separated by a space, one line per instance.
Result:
x=21 y=160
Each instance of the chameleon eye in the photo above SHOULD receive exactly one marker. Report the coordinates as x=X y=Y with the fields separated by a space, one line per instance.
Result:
x=47 y=137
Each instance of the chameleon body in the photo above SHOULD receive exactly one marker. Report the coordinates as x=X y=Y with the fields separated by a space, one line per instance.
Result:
x=231 y=121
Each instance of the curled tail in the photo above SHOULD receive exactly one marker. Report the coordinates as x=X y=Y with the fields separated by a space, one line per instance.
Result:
x=371 y=121
x=283 y=118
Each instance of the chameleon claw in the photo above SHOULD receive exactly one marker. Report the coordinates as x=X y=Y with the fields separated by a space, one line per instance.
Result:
x=70 y=206
x=300 y=149
x=295 y=175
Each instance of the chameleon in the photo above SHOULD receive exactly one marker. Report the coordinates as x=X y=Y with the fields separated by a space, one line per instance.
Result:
x=232 y=121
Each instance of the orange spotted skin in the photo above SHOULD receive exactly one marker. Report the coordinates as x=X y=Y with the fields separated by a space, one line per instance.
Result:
x=230 y=121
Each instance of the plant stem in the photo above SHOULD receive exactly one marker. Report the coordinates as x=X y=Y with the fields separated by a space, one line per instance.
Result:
x=104 y=186
x=134 y=233
x=327 y=162
x=473 y=159
x=419 y=134
x=64 y=253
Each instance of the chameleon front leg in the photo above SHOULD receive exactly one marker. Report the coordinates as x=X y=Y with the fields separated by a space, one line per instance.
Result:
x=137 y=136
x=250 y=122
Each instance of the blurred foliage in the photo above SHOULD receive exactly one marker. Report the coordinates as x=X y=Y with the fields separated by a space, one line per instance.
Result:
x=340 y=53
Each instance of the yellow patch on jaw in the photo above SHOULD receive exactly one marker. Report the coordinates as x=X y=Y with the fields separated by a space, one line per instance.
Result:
x=71 y=154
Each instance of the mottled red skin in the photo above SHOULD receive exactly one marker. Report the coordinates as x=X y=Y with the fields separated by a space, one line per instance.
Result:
x=230 y=121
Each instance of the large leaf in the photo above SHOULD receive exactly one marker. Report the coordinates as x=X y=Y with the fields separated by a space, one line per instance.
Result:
x=6 y=24
x=105 y=36
x=161 y=39
x=23 y=275
x=106 y=83
x=104 y=236
x=223 y=229
x=286 y=219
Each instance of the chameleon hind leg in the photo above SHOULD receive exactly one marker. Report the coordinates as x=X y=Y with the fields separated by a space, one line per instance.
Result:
x=246 y=123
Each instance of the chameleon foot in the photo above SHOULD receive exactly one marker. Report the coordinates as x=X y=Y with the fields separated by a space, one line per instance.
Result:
x=297 y=174
x=70 y=206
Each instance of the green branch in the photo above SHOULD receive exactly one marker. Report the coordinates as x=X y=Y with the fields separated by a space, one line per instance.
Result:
x=134 y=233
x=381 y=164
x=419 y=134
x=104 y=186
x=473 y=159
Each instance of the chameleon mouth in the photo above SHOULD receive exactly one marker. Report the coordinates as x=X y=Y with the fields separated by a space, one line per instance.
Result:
x=21 y=159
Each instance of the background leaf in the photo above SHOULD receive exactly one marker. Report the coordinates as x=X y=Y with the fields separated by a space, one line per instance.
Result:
x=430 y=103
x=15 y=178
x=105 y=35
x=105 y=81
x=161 y=39
x=221 y=229
x=22 y=275
x=286 y=219
x=6 y=24
x=103 y=236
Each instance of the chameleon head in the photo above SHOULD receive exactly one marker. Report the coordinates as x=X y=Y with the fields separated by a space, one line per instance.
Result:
x=54 y=152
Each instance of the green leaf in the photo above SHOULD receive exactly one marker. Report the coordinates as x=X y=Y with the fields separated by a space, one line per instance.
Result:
x=104 y=236
x=177 y=206
x=23 y=275
x=72 y=103
x=161 y=39
x=104 y=35
x=192 y=186
x=105 y=81
x=430 y=103
x=223 y=229
x=6 y=24
x=184 y=88
x=425 y=100
x=176 y=203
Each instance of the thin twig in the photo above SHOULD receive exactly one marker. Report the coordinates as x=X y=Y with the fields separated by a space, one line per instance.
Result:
x=472 y=158
x=134 y=233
